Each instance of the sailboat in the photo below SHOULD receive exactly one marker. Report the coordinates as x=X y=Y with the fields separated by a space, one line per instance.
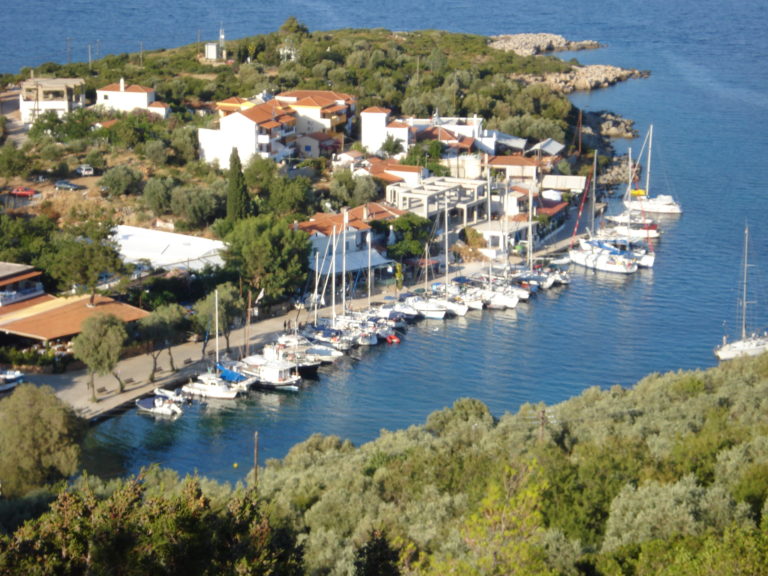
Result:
x=210 y=384
x=641 y=200
x=749 y=344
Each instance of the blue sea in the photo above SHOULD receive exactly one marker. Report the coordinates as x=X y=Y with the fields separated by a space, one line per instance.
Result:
x=707 y=98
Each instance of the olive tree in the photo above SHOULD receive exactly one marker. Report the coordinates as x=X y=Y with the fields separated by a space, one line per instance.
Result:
x=158 y=331
x=39 y=439
x=99 y=346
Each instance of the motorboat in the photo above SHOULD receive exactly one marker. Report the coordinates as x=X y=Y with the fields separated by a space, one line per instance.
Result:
x=159 y=406
x=603 y=259
x=210 y=385
x=9 y=379
x=271 y=372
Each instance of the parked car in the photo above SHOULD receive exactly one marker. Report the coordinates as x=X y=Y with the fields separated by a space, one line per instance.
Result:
x=23 y=191
x=67 y=185
x=84 y=170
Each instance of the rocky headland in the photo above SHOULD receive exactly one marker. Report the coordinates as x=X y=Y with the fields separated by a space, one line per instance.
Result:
x=581 y=78
x=532 y=44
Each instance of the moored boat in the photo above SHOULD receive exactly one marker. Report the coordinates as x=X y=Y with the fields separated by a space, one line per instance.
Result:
x=159 y=406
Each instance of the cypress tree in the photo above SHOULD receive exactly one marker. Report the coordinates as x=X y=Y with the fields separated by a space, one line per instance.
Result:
x=237 y=192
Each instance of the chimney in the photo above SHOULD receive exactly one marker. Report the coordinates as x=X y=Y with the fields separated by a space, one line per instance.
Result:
x=122 y=84
x=366 y=213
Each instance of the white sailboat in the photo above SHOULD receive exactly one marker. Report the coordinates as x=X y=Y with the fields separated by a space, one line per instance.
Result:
x=209 y=384
x=748 y=344
x=641 y=200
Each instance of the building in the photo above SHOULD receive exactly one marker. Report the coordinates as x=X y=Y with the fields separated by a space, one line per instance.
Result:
x=28 y=313
x=467 y=197
x=40 y=95
x=127 y=98
x=168 y=250
x=317 y=144
x=320 y=110
x=346 y=243
x=461 y=134
x=267 y=129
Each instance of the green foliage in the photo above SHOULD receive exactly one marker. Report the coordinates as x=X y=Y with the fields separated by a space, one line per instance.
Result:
x=13 y=161
x=121 y=180
x=80 y=253
x=160 y=329
x=100 y=344
x=178 y=533
x=24 y=240
x=39 y=440
x=198 y=207
x=230 y=306
x=238 y=201
x=157 y=195
x=412 y=233
x=269 y=254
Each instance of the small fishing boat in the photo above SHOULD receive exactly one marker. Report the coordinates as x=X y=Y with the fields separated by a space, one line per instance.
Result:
x=9 y=379
x=159 y=406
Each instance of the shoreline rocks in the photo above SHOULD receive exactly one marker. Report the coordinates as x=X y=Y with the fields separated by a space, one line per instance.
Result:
x=579 y=78
x=533 y=44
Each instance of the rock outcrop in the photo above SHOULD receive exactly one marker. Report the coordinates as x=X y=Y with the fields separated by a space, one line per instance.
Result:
x=581 y=78
x=532 y=44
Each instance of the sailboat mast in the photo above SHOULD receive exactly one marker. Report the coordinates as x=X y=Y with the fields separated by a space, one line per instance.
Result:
x=446 y=242
x=216 y=322
x=370 y=280
x=744 y=286
x=594 y=193
x=317 y=281
x=333 y=280
x=344 y=264
x=648 y=168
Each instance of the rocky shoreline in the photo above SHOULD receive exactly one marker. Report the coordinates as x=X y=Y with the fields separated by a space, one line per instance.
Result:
x=533 y=44
x=579 y=78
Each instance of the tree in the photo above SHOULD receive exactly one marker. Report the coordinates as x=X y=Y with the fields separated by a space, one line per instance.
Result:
x=13 y=161
x=157 y=195
x=82 y=252
x=270 y=254
x=392 y=146
x=121 y=180
x=39 y=440
x=289 y=196
x=412 y=233
x=230 y=308
x=376 y=557
x=99 y=346
x=156 y=152
x=159 y=330
x=237 y=192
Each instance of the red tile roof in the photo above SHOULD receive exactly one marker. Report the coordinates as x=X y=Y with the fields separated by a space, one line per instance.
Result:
x=377 y=110
x=115 y=87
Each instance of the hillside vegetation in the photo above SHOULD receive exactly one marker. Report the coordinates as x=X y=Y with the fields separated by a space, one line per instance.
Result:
x=668 y=477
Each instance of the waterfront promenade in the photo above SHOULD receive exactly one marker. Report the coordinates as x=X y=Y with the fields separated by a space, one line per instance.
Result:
x=72 y=386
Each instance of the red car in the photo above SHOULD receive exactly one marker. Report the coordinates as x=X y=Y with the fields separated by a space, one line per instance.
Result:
x=23 y=191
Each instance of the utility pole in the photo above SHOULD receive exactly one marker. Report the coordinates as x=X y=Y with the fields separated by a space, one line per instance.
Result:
x=255 y=459
x=89 y=57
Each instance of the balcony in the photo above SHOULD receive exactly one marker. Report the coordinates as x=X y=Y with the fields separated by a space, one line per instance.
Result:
x=10 y=296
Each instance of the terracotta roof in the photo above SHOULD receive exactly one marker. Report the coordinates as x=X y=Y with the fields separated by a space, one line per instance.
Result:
x=61 y=317
x=330 y=94
x=512 y=161
x=376 y=110
x=314 y=102
x=552 y=210
x=270 y=112
x=16 y=306
x=397 y=124
x=158 y=104
x=115 y=87
x=323 y=222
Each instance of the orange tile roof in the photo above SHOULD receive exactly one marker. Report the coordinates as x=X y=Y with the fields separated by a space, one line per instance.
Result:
x=115 y=87
x=270 y=112
x=329 y=94
x=323 y=222
x=377 y=110
x=512 y=161
x=61 y=317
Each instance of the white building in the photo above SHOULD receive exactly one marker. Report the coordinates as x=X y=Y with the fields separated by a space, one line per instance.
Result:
x=127 y=98
x=377 y=124
x=468 y=197
x=40 y=95
x=167 y=249
x=320 y=110
x=268 y=130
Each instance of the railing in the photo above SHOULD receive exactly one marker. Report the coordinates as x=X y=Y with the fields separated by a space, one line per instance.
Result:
x=11 y=296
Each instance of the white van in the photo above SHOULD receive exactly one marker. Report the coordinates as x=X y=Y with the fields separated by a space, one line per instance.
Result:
x=84 y=170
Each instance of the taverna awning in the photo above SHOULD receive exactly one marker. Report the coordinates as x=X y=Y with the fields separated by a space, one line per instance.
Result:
x=355 y=261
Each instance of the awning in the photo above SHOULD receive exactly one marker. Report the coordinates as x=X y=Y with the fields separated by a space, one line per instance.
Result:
x=357 y=260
